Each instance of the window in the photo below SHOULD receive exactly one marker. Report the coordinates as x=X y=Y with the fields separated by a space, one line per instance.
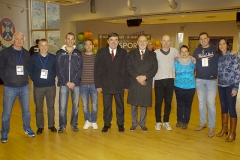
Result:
x=46 y=24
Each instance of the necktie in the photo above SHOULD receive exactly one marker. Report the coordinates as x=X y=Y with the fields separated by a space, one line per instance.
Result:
x=112 y=54
x=142 y=54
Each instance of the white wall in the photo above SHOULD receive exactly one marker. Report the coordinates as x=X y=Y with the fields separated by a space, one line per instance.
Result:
x=19 y=19
x=192 y=29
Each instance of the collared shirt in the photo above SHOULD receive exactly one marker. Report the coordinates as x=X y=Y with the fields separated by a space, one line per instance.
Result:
x=114 y=51
x=141 y=51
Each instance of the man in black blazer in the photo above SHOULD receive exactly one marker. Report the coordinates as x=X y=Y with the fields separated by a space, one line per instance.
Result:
x=111 y=79
x=141 y=66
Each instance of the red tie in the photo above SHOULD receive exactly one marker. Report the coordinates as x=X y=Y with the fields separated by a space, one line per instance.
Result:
x=112 y=55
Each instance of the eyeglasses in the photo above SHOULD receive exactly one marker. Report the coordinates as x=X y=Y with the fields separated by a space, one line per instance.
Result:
x=142 y=41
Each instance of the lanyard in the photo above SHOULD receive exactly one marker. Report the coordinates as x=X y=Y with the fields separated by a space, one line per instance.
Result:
x=41 y=60
x=20 y=56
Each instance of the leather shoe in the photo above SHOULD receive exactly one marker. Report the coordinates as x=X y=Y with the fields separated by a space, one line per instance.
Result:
x=53 y=129
x=39 y=131
x=105 y=128
x=120 y=128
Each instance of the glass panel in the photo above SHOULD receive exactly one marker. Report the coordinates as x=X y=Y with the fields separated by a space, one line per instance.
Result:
x=37 y=35
x=53 y=16
x=53 y=41
x=38 y=15
x=180 y=37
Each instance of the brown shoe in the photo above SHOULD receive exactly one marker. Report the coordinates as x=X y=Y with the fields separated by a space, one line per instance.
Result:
x=224 y=126
x=211 y=132
x=184 y=126
x=200 y=127
x=232 y=134
x=178 y=124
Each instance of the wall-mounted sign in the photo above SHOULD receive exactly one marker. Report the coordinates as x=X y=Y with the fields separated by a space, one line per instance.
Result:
x=128 y=42
x=7 y=29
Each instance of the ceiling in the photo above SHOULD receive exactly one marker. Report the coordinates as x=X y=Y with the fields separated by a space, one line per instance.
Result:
x=228 y=14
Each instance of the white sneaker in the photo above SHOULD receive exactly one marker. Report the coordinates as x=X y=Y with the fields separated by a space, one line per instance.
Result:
x=87 y=124
x=158 y=126
x=167 y=126
x=94 y=126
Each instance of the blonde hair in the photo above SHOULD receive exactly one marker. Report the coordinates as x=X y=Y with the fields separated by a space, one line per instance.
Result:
x=14 y=34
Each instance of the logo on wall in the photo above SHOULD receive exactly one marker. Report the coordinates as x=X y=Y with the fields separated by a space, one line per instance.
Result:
x=7 y=29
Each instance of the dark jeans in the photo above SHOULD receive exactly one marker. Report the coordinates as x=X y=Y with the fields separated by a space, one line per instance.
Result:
x=184 y=104
x=107 y=109
x=228 y=103
x=163 y=90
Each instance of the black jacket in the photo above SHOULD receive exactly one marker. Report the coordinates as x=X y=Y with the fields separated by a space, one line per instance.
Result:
x=63 y=61
x=111 y=75
x=141 y=95
x=8 y=62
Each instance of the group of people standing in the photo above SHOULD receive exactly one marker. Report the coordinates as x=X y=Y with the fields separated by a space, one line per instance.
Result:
x=113 y=71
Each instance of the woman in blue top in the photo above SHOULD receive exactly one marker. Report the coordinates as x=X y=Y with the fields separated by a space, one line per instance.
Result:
x=184 y=86
x=228 y=81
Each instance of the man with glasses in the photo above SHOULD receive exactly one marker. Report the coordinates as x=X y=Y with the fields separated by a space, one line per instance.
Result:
x=141 y=66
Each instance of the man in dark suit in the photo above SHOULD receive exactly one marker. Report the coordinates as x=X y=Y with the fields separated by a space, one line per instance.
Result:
x=110 y=78
x=141 y=66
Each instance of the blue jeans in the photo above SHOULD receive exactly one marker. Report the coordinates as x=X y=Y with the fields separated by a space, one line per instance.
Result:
x=228 y=102
x=9 y=96
x=206 y=91
x=63 y=104
x=86 y=91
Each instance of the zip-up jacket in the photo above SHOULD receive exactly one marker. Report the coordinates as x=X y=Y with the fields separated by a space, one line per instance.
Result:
x=9 y=59
x=69 y=66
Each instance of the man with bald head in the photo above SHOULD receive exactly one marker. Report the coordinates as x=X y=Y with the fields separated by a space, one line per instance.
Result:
x=141 y=66
x=164 y=82
x=14 y=64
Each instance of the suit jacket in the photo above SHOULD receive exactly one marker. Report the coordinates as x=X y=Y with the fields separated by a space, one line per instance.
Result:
x=141 y=95
x=111 y=75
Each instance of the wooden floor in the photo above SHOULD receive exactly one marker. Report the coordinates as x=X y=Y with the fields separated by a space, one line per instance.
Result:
x=177 y=144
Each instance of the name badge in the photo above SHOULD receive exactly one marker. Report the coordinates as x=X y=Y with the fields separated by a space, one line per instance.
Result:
x=44 y=73
x=19 y=70
x=204 y=62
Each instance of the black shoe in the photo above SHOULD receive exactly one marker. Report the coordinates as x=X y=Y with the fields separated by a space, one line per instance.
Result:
x=105 y=128
x=133 y=128
x=39 y=131
x=120 y=128
x=53 y=129
x=144 y=128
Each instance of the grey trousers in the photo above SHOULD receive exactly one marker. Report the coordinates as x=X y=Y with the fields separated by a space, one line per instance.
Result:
x=39 y=94
x=143 y=116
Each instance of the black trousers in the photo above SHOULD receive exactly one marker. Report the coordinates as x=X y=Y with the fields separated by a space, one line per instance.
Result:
x=184 y=104
x=163 y=91
x=107 y=108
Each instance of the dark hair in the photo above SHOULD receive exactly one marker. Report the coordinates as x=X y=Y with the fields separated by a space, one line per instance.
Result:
x=70 y=33
x=112 y=35
x=184 y=46
x=42 y=40
x=218 y=49
x=202 y=33
x=37 y=40
x=88 y=40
